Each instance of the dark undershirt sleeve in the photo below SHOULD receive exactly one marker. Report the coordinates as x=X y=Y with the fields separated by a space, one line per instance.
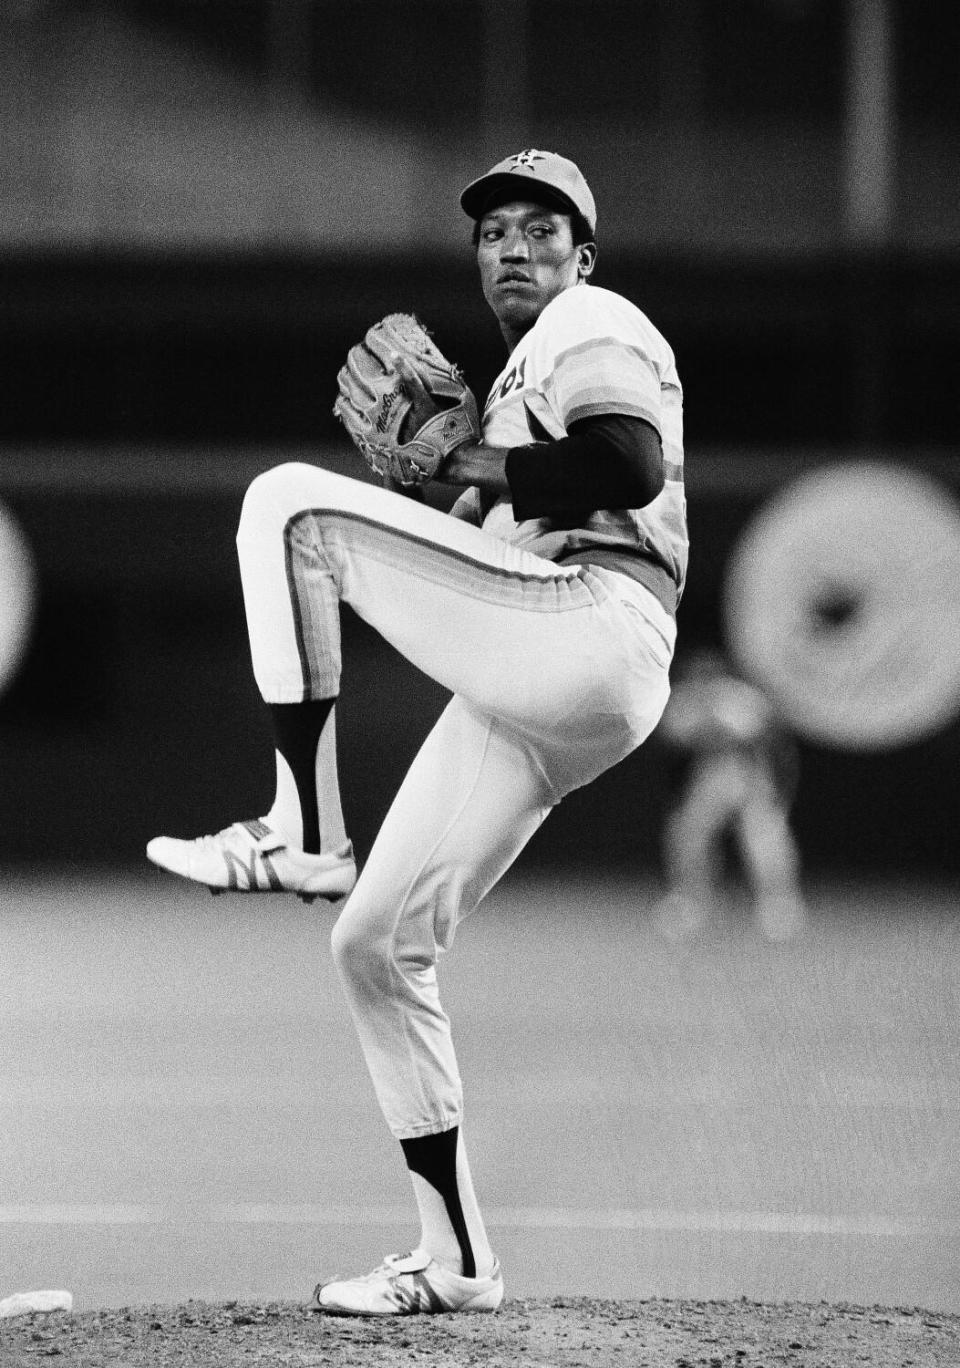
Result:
x=609 y=461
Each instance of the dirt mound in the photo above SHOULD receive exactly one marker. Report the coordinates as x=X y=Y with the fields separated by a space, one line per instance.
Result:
x=559 y=1332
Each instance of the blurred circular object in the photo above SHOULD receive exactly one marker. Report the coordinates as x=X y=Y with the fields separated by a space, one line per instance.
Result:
x=18 y=592
x=842 y=601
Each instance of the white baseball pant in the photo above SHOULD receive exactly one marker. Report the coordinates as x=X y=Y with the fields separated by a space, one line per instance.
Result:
x=557 y=672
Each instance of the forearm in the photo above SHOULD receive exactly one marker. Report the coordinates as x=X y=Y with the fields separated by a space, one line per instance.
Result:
x=477 y=464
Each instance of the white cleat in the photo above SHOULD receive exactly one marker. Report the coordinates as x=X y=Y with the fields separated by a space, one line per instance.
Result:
x=408 y=1285
x=250 y=857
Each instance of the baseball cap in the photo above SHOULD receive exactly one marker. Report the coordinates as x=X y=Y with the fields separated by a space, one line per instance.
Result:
x=528 y=170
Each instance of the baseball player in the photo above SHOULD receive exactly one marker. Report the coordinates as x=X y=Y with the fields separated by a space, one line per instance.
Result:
x=546 y=604
x=740 y=775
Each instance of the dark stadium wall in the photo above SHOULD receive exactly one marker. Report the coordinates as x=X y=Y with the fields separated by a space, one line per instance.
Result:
x=140 y=391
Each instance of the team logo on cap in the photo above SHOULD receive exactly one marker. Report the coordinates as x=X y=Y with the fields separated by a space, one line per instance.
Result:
x=527 y=157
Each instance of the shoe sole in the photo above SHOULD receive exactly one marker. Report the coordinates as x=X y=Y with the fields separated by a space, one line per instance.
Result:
x=475 y=1306
x=339 y=882
x=305 y=895
x=468 y=1310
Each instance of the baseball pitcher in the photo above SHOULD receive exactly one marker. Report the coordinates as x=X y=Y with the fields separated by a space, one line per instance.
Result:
x=545 y=603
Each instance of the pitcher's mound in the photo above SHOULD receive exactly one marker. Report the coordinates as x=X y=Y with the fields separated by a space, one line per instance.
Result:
x=558 y=1332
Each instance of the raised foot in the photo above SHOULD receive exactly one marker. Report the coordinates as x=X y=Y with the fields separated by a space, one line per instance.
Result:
x=250 y=857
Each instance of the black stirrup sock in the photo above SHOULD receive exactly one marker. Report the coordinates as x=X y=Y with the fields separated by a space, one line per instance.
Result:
x=296 y=733
x=434 y=1157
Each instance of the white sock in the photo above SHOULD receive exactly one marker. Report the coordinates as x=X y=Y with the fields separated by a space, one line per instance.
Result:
x=333 y=834
x=285 y=816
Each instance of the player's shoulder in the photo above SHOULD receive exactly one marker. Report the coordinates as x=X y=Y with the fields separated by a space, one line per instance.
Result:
x=594 y=311
x=590 y=301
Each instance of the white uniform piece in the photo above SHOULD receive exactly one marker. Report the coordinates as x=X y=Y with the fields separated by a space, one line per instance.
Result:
x=558 y=672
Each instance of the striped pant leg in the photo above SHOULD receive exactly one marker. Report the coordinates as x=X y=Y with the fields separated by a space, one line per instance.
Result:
x=546 y=648
x=441 y=591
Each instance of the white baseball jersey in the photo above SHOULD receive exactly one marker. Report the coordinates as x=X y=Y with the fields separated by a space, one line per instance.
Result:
x=592 y=352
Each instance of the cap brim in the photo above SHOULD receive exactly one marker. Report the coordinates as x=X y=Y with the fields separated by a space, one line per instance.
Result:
x=476 y=199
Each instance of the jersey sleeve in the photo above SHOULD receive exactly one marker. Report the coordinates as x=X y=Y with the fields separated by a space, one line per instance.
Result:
x=598 y=359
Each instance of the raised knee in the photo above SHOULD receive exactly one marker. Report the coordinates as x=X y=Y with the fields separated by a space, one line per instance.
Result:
x=273 y=486
x=278 y=494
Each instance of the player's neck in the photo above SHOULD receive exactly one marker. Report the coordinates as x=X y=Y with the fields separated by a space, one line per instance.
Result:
x=513 y=335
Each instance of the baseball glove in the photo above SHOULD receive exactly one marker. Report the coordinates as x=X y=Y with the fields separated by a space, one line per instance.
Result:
x=405 y=406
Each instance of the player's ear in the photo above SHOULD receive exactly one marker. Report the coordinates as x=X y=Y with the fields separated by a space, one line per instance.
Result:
x=586 y=259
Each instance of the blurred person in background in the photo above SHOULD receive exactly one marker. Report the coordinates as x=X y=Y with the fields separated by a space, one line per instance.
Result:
x=738 y=768
x=546 y=605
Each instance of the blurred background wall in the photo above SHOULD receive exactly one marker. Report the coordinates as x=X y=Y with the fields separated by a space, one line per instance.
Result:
x=204 y=202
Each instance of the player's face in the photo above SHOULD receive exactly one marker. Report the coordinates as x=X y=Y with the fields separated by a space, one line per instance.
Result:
x=527 y=257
